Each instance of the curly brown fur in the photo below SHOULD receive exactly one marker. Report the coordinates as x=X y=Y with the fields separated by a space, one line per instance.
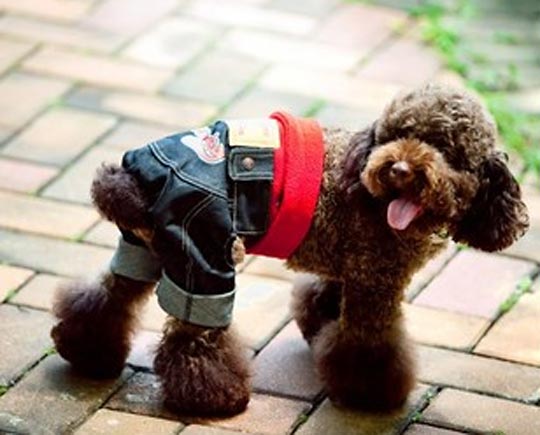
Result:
x=97 y=322
x=203 y=371
x=391 y=195
x=118 y=197
x=314 y=303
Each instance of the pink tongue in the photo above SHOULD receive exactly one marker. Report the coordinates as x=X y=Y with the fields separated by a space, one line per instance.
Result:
x=401 y=212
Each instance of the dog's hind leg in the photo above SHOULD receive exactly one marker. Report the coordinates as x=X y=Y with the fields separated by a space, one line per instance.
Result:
x=97 y=321
x=204 y=371
x=314 y=303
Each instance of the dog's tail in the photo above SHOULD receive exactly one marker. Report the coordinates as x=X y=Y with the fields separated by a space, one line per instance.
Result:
x=118 y=197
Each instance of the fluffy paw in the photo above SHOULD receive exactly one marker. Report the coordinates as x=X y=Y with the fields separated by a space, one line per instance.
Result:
x=374 y=377
x=203 y=371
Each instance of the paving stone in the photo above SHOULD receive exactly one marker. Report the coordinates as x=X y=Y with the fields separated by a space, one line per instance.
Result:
x=271 y=267
x=24 y=95
x=11 y=51
x=443 y=328
x=58 y=34
x=329 y=419
x=377 y=23
x=98 y=70
x=286 y=49
x=417 y=63
x=526 y=101
x=285 y=367
x=527 y=246
x=355 y=92
x=172 y=43
x=261 y=102
x=430 y=270
x=111 y=16
x=238 y=14
x=511 y=337
x=471 y=372
x=128 y=135
x=485 y=414
x=24 y=338
x=197 y=429
x=336 y=115
x=55 y=219
x=74 y=183
x=153 y=316
x=43 y=141
x=316 y=8
x=39 y=291
x=475 y=283
x=104 y=233
x=52 y=255
x=11 y=278
x=173 y=112
x=235 y=72
x=264 y=415
x=261 y=307
x=105 y=422
x=54 y=9
x=143 y=349
x=422 y=429
x=52 y=399
x=30 y=176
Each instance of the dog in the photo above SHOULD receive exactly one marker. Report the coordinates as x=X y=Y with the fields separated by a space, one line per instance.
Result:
x=389 y=197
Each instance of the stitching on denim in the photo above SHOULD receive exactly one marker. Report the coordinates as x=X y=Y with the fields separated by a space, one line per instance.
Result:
x=159 y=155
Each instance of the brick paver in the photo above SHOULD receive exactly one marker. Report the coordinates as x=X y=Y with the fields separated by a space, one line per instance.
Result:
x=96 y=70
x=105 y=422
x=511 y=337
x=11 y=278
x=24 y=338
x=82 y=81
x=329 y=419
x=443 y=328
x=44 y=142
x=52 y=399
x=39 y=291
x=475 y=283
x=461 y=409
x=470 y=372
x=30 y=176
x=285 y=367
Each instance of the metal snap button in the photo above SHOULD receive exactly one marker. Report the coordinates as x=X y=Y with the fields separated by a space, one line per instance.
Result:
x=248 y=163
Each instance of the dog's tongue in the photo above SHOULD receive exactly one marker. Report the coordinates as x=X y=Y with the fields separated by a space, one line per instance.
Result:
x=401 y=212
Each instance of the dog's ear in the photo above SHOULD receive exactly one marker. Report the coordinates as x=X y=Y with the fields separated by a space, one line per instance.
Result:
x=360 y=147
x=497 y=215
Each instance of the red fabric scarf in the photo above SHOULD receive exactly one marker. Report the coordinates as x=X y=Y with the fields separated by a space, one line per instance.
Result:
x=298 y=168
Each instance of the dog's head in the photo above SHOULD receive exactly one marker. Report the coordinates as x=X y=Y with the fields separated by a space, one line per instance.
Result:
x=430 y=160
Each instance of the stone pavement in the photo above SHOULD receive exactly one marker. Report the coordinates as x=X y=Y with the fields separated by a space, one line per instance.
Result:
x=81 y=80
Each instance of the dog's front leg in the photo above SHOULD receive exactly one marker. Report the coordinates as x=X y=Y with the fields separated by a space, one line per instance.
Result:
x=364 y=357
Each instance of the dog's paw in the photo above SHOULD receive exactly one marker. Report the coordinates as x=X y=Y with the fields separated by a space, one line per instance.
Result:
x=204 y=372
x=91 y=333
x=373 y=377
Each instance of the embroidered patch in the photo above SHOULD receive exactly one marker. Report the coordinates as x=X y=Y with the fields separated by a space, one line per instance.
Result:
x=208 y=146
x=260 y=133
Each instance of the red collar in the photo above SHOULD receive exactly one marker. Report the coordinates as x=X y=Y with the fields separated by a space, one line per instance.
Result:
x=298 y=169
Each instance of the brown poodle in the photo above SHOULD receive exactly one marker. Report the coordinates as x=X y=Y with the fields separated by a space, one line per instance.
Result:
x=391 y=197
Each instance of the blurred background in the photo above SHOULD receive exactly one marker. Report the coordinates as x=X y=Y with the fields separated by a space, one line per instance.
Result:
x=81 y=81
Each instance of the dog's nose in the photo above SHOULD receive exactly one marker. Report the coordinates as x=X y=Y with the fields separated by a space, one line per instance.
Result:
x=400 y=170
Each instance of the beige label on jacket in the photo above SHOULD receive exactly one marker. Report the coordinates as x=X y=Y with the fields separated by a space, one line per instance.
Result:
x=259 y=133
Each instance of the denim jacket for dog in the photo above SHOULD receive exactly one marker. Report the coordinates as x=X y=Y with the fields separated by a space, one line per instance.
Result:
x=254 y=179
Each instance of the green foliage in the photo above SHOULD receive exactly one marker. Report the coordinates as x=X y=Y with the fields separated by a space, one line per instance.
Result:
x=519 y=132
x=524 y=286
x=3 y=389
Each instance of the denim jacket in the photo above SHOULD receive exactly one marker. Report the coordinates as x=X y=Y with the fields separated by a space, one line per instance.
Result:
x=203 y=194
